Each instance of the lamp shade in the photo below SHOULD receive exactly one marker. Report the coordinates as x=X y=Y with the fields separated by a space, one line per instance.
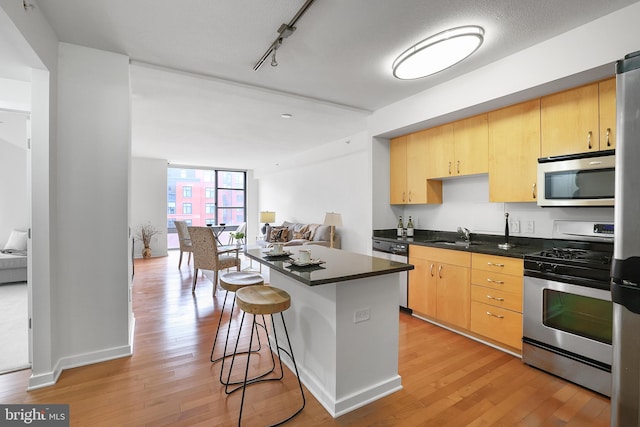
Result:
x=332 y=218
x=267 y=216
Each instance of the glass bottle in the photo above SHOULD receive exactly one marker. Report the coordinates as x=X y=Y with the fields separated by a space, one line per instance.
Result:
x=410 y=227
x=400 y=227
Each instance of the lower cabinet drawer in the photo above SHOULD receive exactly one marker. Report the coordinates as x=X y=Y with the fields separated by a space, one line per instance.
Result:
x=498 y=324
x=497 y=298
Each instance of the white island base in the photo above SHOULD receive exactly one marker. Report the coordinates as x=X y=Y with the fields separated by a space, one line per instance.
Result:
x=346 y=357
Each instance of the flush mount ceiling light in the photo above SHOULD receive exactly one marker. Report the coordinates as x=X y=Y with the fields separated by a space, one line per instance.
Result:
x=438 y=52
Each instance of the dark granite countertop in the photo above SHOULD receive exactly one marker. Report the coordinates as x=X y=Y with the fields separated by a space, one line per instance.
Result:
x=338 y=266
x=480 y=243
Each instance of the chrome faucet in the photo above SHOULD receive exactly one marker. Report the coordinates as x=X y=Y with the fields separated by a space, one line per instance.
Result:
x=465 y=234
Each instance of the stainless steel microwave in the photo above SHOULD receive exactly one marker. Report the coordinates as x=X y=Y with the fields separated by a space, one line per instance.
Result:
x=586 y=179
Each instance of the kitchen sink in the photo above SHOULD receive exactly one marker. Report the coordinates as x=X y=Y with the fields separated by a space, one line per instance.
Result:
x=455 y=243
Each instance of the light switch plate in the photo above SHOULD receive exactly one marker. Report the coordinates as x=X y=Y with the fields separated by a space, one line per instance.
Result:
x=514 y=226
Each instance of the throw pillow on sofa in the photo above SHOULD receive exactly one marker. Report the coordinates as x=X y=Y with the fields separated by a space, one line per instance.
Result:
x=278 y=234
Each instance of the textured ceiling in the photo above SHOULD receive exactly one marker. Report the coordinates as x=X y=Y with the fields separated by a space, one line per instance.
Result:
x=340 y=55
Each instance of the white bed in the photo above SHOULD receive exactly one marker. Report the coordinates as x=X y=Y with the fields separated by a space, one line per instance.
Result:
x=13 y=267
x=13 y=258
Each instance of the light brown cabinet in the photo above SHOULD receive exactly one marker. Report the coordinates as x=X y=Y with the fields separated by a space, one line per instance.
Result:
x=578 y=120
x=408 y=180
x=496 y=298
x=459 y=148
x=471 y=143
x=439 y=284
x=514 y=149
x=440 y=151
x=607 y=110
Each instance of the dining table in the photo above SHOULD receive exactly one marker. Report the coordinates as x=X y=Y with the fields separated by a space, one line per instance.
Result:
x=217 y=230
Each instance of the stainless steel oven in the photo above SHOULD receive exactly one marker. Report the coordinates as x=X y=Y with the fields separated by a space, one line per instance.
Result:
x=567 y=311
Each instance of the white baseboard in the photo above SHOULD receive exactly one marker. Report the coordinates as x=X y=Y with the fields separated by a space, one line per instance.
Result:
x=50 y=378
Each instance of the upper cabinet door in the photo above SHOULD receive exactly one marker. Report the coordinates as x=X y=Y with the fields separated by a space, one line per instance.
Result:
x=514 y=148
x=416 y=171
x=440 y=152
x=471 y=144
x=569 y=121
x=398 y=171
x=608 y=114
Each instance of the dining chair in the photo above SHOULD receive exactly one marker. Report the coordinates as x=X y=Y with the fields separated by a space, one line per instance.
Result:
x=184 y=239
x=207 y=255
x=242 y=228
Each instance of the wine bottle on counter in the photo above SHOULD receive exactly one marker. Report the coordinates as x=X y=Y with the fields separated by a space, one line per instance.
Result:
x=410 y=227
x=400 y=227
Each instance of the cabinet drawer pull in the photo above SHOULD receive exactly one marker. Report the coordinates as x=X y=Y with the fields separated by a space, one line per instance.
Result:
x=431 y=270
x=589 y=140
x=440 y=272
x=495 y=298
x=449 y=168
x=608 y=134
x=409 y=196
x=497 y=282
x=495 y=264
x=495 y=315
x=534 y=190
x=403 y=194
x=458 y=166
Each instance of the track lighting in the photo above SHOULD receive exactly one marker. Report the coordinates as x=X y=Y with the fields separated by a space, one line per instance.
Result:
x=284 y=31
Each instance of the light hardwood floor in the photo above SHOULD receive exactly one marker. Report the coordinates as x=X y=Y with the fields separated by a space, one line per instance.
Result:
x=448 y=380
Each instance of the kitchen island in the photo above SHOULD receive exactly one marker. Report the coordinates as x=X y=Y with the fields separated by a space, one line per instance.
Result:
x=343 y=323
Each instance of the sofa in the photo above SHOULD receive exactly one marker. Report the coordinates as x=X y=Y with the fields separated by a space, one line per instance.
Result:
x=297 y=234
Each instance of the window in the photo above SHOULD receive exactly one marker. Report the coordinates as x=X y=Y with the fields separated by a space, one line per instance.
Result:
x=231 y=197
x=204 y=196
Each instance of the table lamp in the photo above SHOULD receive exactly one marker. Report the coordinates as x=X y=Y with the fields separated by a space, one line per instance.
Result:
x=267 y=217
x=334 y=220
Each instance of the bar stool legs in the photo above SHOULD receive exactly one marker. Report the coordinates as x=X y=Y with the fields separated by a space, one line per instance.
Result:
x=232 y=282
x=265 y=300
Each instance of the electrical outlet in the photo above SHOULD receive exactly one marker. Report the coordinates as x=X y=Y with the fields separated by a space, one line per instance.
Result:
x=514 y=226
x=361 y=315
x=530 y=226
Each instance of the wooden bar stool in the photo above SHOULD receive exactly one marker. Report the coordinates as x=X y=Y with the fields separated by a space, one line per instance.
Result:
x=232 y=282
x=264 y=300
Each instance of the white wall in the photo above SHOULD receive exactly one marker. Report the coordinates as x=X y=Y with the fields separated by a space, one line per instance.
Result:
x=91 y=299
x=149 y=201
x=13 y=173
x=466 y=204
x=333 y=178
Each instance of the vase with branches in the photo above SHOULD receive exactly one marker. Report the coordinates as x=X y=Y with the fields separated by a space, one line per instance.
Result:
x=145 y=234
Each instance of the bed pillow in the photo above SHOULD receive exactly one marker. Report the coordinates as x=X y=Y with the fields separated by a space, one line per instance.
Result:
x=17 y=241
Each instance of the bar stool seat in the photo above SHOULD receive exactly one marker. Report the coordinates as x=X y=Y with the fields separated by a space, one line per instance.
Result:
x=232 y=282
x=265 y=300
